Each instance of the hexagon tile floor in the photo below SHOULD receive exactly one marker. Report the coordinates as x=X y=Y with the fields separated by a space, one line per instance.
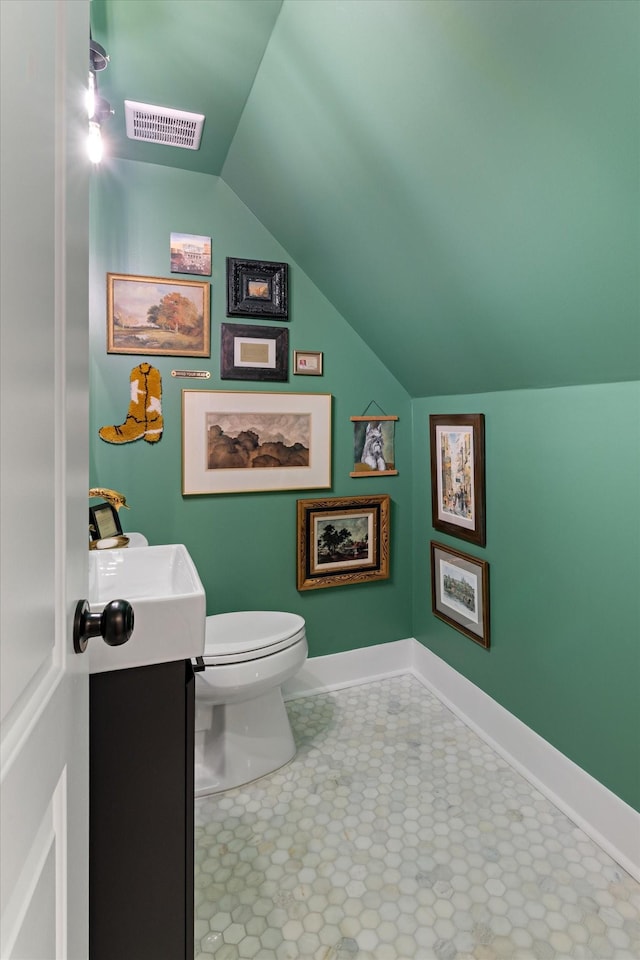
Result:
x=396 y=833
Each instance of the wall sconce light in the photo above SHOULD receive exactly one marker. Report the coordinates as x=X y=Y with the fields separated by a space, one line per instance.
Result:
x=98 y=109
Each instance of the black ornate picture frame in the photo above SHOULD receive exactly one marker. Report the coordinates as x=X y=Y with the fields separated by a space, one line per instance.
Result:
x=257 y=288
x=253 y=353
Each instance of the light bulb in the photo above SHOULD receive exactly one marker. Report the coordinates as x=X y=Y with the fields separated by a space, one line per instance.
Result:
x=94 y=142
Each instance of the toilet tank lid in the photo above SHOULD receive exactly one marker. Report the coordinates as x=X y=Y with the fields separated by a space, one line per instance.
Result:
x=228 y=633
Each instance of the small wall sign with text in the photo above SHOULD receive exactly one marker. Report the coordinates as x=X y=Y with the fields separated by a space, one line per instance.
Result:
x=194 y=374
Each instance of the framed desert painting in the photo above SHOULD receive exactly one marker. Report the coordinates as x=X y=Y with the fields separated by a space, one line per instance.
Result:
x=342 y=540
x=153 y=316
x=457 y=475
x=243 y=442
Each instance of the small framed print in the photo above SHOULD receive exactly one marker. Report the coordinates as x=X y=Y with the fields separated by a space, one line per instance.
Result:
x=257 y=288
x=457 y=475
x=307 y=363
x=190 y=254
x=460 y=592
x=253 y=353
x=342 y=540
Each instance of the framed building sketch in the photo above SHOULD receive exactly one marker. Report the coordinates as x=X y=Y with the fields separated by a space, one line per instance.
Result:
x=190 y=254
x=460 y=591
x=457 y=475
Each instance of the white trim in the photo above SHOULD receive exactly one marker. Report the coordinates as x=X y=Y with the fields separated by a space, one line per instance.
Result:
x=608 y=820
x=339 y=670
x=604 y=817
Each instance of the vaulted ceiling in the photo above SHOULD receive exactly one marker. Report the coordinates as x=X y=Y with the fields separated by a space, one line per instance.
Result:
x=460 y=178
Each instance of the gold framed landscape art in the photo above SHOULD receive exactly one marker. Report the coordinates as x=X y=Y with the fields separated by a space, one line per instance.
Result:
x=342 y=540
x=154 y=316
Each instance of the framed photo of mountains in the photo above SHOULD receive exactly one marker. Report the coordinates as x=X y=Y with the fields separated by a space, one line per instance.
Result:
x=237 y=442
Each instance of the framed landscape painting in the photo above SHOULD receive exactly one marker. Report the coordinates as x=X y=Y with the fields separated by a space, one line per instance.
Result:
x=236 y=442
x=153 y=316
x=457 y=475
x=460 y=591
x=342 y=540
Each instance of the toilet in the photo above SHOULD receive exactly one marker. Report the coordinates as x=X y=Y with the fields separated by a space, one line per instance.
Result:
x=242 y=730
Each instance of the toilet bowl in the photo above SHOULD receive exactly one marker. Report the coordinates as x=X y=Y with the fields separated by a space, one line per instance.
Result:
x=242 y=730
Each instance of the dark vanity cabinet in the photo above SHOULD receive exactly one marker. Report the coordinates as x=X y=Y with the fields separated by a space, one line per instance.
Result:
x=141 y=813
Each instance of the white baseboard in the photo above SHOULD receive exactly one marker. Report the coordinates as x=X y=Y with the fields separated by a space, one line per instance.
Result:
x=608 y=820
x=339 y=670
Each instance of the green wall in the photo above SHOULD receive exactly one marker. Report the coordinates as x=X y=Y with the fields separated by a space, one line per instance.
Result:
x=563 y=545
x=244 y=545
x=563 y=471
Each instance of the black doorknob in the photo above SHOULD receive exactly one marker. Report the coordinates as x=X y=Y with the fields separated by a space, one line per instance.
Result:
x=114 y=624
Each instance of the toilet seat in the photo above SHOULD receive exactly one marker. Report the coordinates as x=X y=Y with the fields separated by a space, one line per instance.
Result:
x=249 y=635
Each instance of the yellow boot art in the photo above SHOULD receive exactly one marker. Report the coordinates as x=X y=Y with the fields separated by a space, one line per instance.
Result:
x=144 y=419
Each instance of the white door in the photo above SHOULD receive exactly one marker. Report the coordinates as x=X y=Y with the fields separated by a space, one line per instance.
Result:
x=44 y=478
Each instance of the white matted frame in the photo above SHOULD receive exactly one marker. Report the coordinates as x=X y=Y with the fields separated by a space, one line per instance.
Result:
x=460 y=591
x=245 y=442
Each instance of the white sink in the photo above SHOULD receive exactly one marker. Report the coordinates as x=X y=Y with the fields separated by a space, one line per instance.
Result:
x=163 y=587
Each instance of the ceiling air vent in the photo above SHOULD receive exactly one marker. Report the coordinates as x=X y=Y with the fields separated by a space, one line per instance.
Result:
x=175 y=128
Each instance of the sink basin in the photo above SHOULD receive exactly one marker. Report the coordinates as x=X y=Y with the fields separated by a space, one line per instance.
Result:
x=163 y=587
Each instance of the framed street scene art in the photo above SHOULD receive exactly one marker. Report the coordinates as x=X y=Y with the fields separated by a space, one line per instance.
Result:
x=457 y=475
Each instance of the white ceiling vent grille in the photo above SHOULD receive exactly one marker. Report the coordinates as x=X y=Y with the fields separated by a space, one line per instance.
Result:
x=175 y=128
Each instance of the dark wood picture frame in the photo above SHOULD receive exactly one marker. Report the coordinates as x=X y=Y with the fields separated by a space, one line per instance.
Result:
x=328 y=553
x=258 y=289
x=458 y=475
x=460 y=592
x=254 y=353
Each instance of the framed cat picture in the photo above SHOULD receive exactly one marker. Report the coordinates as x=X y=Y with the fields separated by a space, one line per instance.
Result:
x=373 y=447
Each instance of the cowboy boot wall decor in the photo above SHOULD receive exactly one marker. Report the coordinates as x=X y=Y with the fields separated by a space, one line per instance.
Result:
x=144 y=419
